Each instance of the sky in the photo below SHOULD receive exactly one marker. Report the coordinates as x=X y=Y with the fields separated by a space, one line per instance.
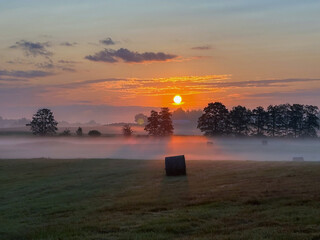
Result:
x=138 y=55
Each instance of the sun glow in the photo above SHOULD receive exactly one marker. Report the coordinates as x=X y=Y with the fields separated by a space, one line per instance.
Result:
x=177 y=99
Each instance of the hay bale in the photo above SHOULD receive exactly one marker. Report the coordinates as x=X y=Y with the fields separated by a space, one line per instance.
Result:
x=175 y=165
x=298 y=159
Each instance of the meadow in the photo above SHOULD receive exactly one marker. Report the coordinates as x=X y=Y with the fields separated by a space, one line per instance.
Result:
x=133 y=199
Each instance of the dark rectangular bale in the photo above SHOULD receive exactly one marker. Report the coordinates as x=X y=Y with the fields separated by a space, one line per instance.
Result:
x=175 y=165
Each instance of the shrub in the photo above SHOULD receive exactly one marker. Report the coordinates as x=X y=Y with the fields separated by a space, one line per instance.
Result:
x=94 y=133
x=126 y=130
x=66 y=132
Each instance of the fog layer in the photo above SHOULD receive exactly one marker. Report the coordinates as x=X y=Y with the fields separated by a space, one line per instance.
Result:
x=193 y=147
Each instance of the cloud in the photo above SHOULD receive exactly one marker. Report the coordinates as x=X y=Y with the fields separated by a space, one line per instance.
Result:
x=67 y=62
x=64 y=66
x=68 y=44
x=264 y=83
x=112 y=56
x=45 y=65
x=33 y=48
x=300 y=93
x=102 y=56
x=12 y=80
x=206 y=47
x=88 y=82
x=67 y=69
x=25 y=74
x=18 y=61
x=107 y=41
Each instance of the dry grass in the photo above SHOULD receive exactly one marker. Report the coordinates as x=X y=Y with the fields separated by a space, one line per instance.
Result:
x=133 y=199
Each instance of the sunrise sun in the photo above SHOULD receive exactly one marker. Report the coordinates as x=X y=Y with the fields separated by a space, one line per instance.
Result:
x=177 y=99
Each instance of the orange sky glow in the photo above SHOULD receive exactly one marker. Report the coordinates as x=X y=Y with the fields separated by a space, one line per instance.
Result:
x=143 y=53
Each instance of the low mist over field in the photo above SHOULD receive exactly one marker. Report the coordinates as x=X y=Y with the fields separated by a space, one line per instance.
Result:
x=193 y=147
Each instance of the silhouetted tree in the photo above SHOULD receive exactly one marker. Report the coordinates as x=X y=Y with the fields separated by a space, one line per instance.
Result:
x=126 y=130
x=273 y=126
x=283 y=119
x=310 y=121
x=259 y=119
x=215 y=120
x=240 y=120
x=94 y=133
x=141 y=119
x=165 y=122
x=160 y=124
x=153 y=124
x=43 y=123
x=79 y=132
x=296 y=119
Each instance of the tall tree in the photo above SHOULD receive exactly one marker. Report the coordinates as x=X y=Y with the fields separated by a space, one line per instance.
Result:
x=283 y=119
x=310 y=121
x=43 y=123
x=240 y=120
x=160 y=124
x=259 y=119
x=296 y=119
x=152 y=126
x=165 y=122
x=273 y=120
x=215 y=120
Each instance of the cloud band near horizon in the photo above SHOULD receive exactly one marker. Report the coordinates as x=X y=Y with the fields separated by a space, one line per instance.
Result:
x=113 y=56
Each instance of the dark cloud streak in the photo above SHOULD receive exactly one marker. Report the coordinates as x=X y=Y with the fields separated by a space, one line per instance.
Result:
x=258 y=83
x=207 y=47
x=87 y=82
x=68 y=44
x=107 y=41
x=12 y=80
x=33 y=48
x=112 y=56
x=25 y=74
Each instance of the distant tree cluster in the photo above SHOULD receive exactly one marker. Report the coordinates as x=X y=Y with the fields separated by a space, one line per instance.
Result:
x=160 y=123
x=66 y=133
x=295 y=120
x=191 y=115
x=44 y=124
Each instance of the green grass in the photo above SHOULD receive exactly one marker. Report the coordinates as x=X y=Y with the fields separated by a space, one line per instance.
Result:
x=133 y=199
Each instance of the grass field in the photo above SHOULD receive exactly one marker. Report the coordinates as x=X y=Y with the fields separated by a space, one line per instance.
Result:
x=133 y=199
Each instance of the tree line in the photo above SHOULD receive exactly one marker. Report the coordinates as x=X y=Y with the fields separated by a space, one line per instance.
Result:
x=284 y=120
